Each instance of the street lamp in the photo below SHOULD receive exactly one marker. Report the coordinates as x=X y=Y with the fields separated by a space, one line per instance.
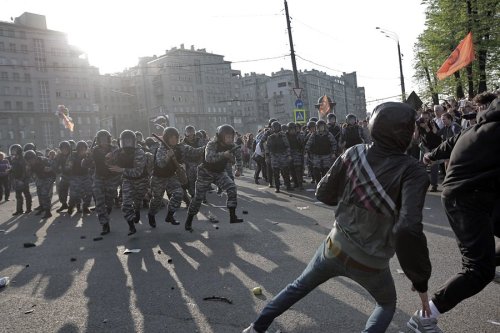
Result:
x=394 y=36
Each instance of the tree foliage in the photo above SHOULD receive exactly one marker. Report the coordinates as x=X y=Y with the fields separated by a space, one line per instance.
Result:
x=447 y=23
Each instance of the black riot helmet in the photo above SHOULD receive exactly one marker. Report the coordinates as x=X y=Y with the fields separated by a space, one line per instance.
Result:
x=103 y=137
x=224 y=130
x=313 y=119
x=284 y=128
x=16 y=149
x=292 y=127
x=29 y=155
x=311 y=124
x=321 y=125
x=127 y=139
x=351 y=119
x=331 y=117
x=392 y=125
x=149 y=141
x=271 y=121
x=81 y=145
x=72 y=143
x=170 y=132
x=139 y=136
x=189 y=130
x=64 y=145
x=276 y=126
x=29 y=146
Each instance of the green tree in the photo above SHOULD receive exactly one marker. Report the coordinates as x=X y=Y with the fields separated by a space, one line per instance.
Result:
x=447 y=23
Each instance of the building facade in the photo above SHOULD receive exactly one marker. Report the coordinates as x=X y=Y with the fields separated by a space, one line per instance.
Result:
x=39 y=70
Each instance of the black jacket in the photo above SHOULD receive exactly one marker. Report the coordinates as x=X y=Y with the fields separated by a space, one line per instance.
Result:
x=474 y=156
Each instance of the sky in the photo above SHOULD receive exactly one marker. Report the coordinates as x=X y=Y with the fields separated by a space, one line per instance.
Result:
x=329 y=35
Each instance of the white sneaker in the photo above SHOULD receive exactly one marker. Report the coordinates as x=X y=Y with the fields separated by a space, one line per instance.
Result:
x=423 y=325
x=250 y=329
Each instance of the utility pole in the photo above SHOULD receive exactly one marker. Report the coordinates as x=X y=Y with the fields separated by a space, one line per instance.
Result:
x=401 y=77
x=292 y=51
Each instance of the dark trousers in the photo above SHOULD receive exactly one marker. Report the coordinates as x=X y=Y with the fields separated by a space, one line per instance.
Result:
x=4 y=187
x=261 y=166
x=471 y=218
x=269 y=169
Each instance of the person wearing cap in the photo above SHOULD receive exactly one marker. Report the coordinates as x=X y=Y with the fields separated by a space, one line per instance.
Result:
x=379 y=192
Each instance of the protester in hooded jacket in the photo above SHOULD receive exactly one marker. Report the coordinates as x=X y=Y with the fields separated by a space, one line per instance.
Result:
x=380 y=192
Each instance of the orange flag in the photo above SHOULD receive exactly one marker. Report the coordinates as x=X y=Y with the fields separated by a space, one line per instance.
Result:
x=63 y=112
x=324 y=106
x=459 y=58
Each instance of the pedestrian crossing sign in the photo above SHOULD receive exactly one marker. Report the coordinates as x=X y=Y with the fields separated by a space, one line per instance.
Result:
x=299 y=116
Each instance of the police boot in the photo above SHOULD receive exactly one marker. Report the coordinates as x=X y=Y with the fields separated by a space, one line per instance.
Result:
x=131 y=228
x=137 y=217
x=78 y=209
x=106 y=229
x=232 y=216
x=47 y=214
x=152 y=220
x=71 y=209
x=38 y=211
x=17 y=212
x=86 y=210
x=28 y=207
x=171 y=219
x=189 y=222
x=38 y=208
x=64 y=206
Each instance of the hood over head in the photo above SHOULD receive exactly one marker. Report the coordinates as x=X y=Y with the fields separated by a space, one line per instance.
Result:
x=392 y=125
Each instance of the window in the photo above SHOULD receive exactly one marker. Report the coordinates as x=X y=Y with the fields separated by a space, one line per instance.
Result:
x=17 y=91
x=281 y=84
x=27 y=77
x=12 y=47
x=43 y=90
x=40 y=61
x=21 y=134
x=6 y=91
x=58 y=94
x=22 y=34
x=7 y=106
x=19 y=106
x=16 y=77
x=4 y=76
x=29 y=92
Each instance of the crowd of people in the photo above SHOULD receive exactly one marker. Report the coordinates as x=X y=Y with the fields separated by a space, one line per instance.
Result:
x=381 y=181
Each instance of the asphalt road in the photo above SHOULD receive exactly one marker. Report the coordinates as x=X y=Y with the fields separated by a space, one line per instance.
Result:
x=161 y=288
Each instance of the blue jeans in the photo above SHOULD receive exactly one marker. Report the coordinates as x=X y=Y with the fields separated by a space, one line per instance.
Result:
x=320 y=269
